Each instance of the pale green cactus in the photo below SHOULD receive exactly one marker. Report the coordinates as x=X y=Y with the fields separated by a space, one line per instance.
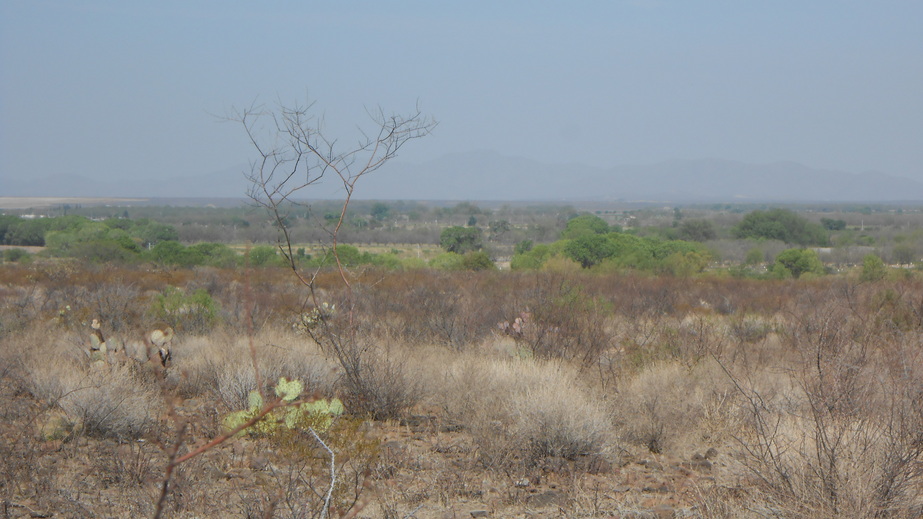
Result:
x=289 y=390
x=318 y=414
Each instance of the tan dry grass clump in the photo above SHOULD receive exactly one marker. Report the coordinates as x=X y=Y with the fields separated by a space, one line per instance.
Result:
x=107 y=399
x=521 y=412
x=222 y=364
x=672 y=408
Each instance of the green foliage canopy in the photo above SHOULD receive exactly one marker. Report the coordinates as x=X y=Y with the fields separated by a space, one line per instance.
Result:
x=697 y=230
x=873 y=268
x=797 y=262
x=780 y=224
x=460 y=240
x=584 y=225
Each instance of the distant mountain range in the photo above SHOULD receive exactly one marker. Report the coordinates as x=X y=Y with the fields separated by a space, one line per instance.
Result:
x=493 y=176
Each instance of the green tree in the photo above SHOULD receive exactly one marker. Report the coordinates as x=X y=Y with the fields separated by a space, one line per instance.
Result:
x=498 y=228
x=697 y=230
x=755 y=256
x=588 y=250
x=7 y=222
x=903 y=254
x=174 y=253
x=448 y=261
x=16 y=255
x=523 y=247
x=151 y=233
x=873 y=268
x=216 y=254
x=833 y=225
x=796 y=262
x=380 y=211
x=27 y=232
x=780 y=224
x=531 y=259
x=477 y=260
x=461 y=239
x=265 y=256
x=632 y=251
x=584 y=225
x=684 y=264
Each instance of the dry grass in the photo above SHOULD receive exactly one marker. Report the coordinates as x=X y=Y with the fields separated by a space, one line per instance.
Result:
x=669 y=407
x=110 y=399
x=808 y=391
x=523 y=412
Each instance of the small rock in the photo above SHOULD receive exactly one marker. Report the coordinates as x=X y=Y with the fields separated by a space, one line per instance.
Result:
x=479 y=513
x=711 y=453
x=259 y=462
x=522 y=483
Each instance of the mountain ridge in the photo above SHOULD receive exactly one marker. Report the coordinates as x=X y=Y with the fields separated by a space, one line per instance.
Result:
x=491 y=176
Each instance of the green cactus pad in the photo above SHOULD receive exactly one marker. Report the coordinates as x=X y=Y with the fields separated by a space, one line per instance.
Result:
x=289 y=390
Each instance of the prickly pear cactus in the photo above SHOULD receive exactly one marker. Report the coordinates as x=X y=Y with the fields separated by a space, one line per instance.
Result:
x=289 y=390
x=318 y=414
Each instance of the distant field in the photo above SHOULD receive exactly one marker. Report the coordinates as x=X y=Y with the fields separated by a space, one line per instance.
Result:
x=25 y=202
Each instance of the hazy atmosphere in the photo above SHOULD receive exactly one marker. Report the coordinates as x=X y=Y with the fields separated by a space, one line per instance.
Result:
x=125 y=94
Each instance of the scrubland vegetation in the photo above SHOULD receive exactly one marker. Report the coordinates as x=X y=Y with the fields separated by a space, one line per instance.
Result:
x=556 y=392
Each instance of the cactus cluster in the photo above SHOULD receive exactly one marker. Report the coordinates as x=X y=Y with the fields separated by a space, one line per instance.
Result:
x=309 y=320
x=318 y=414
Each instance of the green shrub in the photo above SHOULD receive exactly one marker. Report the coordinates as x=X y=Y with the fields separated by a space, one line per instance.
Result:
x=531 y=259
x=461 y=239
x=797 y=262
x=584 y=225
x=873 y=268
x=16 y=255
x=195 y=313
x=265 y=256
x=448 y=261
x=477 y=260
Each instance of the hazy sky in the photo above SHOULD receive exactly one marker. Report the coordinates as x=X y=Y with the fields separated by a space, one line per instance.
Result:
x=115 y=89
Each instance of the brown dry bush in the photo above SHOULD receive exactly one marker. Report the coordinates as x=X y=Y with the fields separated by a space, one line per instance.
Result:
x=454 y=309
x=846 y=438
x=563 y=319
x=377 y=379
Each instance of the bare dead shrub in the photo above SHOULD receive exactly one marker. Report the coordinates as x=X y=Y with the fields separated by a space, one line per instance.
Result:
x=560 y=318
x=115 y=303
x=845 y=441
x=379 y=382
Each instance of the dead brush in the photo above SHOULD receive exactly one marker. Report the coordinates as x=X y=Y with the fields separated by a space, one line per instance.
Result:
x=844 y=441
